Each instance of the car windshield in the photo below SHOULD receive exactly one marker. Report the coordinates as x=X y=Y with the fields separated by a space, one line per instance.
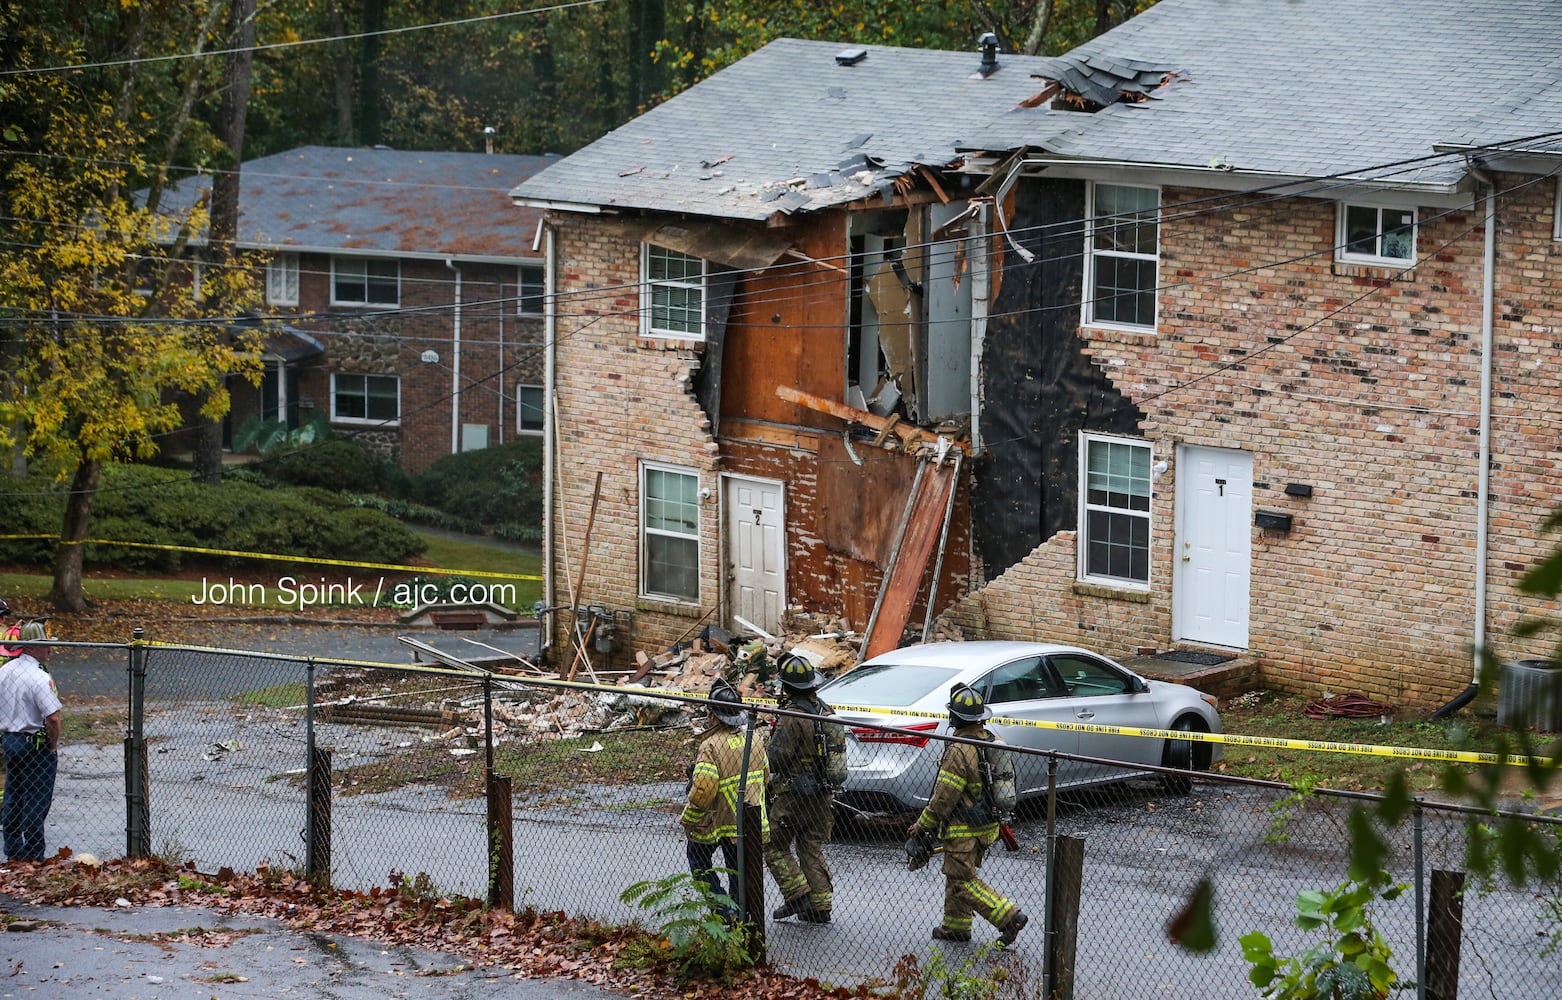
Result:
x=887 y=685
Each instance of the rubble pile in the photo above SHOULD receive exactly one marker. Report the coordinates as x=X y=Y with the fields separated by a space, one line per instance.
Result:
x=527 y=711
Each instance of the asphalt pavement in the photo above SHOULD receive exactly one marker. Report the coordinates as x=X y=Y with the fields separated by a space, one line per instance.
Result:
x=173 y=953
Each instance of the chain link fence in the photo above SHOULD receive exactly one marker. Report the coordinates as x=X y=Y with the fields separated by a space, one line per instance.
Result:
x=554 y=796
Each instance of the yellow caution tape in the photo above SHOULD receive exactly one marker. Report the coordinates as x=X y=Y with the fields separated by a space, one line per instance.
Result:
x=311 y=560
x=1225 y=739
x=1231 y=739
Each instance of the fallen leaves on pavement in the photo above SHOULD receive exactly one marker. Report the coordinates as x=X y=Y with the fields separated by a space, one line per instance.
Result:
x=530 y=943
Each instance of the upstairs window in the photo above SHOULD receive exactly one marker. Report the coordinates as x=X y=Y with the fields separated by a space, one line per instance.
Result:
x=368 y=399
x=282 y=280
x=533 y=291
x=1373 y=234
x=674 y=286
x=1114 y=511
x=1123 y=243
x=365 y=281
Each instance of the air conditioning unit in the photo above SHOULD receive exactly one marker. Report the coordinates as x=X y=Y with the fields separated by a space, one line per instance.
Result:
x=1529 y=695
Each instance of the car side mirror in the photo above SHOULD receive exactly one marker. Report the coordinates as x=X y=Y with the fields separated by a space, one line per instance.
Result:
x=1140 y=685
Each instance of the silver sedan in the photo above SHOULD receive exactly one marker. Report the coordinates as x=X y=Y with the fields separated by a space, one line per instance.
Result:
x=908 y=689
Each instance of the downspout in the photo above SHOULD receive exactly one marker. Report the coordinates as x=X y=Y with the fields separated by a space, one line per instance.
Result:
x=455 y=364
x=499 y=415
x=1483 y=474
x=549 y=428
x=1483 y=502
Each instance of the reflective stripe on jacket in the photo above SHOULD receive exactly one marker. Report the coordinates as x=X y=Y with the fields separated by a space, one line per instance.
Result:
x=711 y=812
x=957 y=788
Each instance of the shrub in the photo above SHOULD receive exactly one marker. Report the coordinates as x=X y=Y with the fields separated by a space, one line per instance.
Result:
x=335 y=463
x=492 y=486
x=137 y=503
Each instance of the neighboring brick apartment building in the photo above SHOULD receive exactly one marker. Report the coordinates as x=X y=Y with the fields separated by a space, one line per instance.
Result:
x=411 y=296
x=1253 y=370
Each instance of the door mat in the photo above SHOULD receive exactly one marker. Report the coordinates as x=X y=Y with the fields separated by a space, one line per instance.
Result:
x=1195 y=656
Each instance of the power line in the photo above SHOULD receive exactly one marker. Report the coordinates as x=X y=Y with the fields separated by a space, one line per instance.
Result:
x=298 y=43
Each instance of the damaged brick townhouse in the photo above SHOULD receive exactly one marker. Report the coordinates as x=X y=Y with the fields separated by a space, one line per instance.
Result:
x=1158 y=344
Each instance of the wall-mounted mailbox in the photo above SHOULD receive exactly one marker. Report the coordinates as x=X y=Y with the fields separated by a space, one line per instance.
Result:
x=1272 y=520
x=1298 y=489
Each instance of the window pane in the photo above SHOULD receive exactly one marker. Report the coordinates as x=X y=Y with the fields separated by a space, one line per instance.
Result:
x=1399 y=240
x=1125 y=290
x=671 y=567
x=676 y=308
x=1118 y=546
x=529 y=400
x=1126 y=219
x=532 y=291
x=1361 y=230
x=383 y=402
x=670 y=265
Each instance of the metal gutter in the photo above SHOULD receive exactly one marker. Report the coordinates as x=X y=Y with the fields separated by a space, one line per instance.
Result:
x=455 y=363
x=549 y=428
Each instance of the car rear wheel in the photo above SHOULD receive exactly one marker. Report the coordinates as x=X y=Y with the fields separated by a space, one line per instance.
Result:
x=1184 y=756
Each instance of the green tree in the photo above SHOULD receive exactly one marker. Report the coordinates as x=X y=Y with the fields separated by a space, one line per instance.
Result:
x=105 y=325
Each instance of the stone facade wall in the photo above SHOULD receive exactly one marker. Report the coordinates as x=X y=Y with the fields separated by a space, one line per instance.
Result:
x=1363 y=385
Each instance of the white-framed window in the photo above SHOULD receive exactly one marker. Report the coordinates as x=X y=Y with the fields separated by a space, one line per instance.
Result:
x=673 y=286
x=532 y=290
x=1122 y=264
x=366 y=399
x=1376 y=234
x=1114 y=511
x=365 y=281
x=669 y=533
x=529 y=403
x=282 y=280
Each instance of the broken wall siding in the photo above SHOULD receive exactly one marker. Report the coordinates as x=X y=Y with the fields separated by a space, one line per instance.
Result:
x=1040 y=388
x=828 y=570
x=787 y=327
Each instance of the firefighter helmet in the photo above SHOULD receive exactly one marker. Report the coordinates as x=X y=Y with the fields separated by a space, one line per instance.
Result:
x=725 y=703
x=967 y=705
x=797 y=673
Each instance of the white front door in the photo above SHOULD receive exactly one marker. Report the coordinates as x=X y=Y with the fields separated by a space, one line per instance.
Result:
x=1214 y=546
x=756 y=551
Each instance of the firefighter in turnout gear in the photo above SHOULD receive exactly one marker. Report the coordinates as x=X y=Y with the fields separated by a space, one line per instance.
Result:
x=802 y=799
x=710 y=817
x=959 y=815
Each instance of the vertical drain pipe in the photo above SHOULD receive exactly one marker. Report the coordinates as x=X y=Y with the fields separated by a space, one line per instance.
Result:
x=455 y=364
x=550 y=419
x=1483 y=487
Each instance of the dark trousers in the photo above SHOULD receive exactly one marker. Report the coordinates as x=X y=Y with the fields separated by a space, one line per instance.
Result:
x=701 y=857
x=29 y=789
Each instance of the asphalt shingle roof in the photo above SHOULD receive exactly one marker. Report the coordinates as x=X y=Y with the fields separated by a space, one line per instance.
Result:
x=1294 y=88
x=381 y=201
x=1316 y=88
x=729 y=146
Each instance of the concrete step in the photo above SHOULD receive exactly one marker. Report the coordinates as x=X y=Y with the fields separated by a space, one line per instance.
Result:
x=1224 y=680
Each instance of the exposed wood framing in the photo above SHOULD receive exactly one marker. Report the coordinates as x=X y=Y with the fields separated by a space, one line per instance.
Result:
x=912 y=438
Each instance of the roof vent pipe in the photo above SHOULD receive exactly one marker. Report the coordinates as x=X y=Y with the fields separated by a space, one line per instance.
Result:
x=989 y=44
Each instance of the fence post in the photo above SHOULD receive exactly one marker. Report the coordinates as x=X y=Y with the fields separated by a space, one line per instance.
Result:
x=1420 y=864
x=138 y=814
x=317 y=819
x=1445 y=929
x=501 y=814
x=1047 y=867
x=750 y=875
x=1063 y=912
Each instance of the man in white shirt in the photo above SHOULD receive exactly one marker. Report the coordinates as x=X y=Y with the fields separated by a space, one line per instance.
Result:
x=30 y=722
